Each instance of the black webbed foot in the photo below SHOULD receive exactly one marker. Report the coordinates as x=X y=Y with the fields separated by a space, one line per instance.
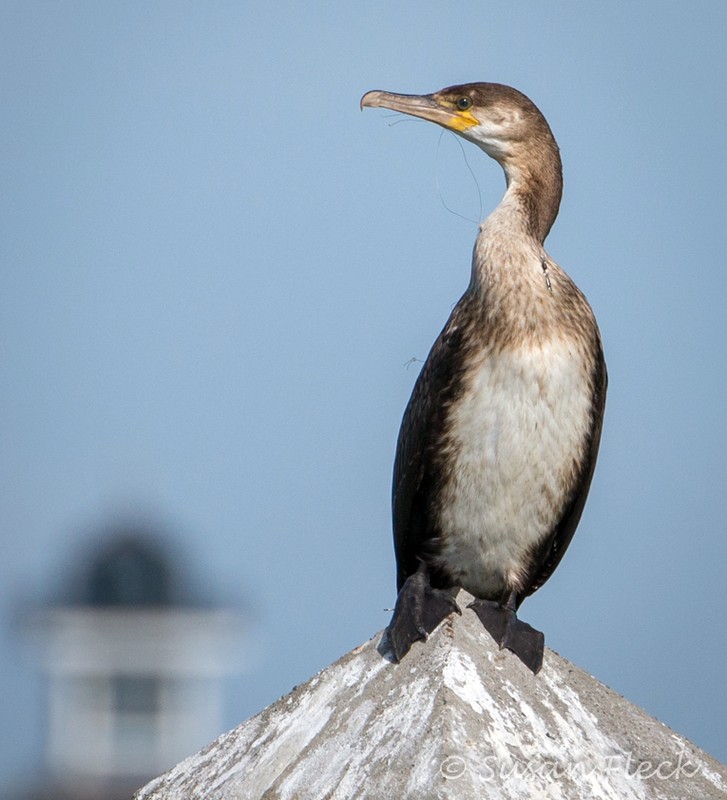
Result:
x=419 y=610
x=510 y=632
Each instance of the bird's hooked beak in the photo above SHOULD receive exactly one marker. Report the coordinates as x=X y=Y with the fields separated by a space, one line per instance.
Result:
x=431 y=107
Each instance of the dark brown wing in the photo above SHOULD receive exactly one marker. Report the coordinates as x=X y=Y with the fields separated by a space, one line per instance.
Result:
x=421 y=429
x=549 y=556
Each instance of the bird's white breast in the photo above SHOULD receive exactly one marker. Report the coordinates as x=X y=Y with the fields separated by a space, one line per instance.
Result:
x=515 y=437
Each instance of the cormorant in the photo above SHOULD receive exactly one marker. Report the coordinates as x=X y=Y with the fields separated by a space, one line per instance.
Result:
x=499 y=440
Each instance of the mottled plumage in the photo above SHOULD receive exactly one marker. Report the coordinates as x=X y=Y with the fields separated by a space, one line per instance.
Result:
x=498 y=443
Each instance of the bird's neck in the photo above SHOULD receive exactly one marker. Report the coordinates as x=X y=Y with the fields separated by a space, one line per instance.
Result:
x=509 y=247
x=534 y=186
x=534 y=176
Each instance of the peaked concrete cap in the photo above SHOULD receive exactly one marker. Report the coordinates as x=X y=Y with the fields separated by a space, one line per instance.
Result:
x=456 y=719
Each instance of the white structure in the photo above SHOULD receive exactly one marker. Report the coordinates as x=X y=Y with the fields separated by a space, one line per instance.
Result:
x=133 y=691
x=456 y=719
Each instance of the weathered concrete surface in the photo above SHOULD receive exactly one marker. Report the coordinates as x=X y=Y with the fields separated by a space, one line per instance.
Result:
x=456 y=719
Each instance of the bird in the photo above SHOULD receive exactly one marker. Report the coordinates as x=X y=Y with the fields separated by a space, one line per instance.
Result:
x=498 y=443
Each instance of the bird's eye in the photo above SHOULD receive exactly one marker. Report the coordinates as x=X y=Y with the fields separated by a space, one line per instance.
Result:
x=464 y=103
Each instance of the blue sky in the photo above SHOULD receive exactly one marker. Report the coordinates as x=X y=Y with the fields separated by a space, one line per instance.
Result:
x=215 y=269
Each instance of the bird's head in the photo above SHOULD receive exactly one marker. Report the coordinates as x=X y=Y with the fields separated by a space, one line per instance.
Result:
x=508 y=127
x=500 y=119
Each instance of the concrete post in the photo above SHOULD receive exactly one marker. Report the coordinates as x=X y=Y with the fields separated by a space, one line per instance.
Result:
x=456 y=719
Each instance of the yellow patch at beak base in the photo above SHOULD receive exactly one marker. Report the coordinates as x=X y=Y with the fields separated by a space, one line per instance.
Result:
x=463 y=120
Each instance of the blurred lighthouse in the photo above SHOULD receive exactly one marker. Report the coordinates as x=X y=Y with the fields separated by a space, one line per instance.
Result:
x=135 y=669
